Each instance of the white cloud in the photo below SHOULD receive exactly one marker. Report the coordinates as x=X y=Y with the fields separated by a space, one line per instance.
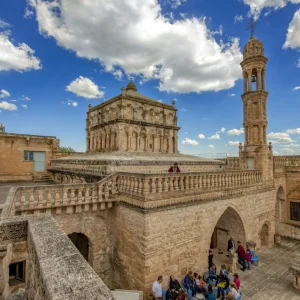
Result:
x=232 y=95
x=28 y=13
x=19 y=58
x=201 y=136
x=70 y=103
x=298 y=65
x=23 y=97
x=293 y=34
x=183 y=109
x=13 y=100
x=4 y=94
x=256 y=6
x=280 y=137
x=7 y=106
x=214 y=137
x=238 y=19
x=293 y=131
x=85 y=88
x=143 y=42
x=232 y=143
x=188 y=141
x=24 y=105
x=75 y=104
x=222 y=130
x=211 y=146
x=175 y=3
x=287 y=151
x=235 y=131
x=118 y=74
x=293 y=145
x=296 y=88
x=4 y=24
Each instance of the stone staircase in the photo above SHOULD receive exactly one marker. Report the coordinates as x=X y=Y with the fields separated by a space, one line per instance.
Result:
x=42 y=178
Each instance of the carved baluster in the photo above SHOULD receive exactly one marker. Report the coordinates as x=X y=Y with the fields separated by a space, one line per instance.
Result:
x=145 y=186
x=100 y=192
x=22 y=200
x=159 y=184
x=176 y=186
x=94 y=199
x=113 y=185
x=153 y=185
x=171 y=184
x=204 y=181
x=181 y=183
x=31 y=199
x=165 y=184
x=57 y=202
x=106 y=191
x=140 y=186
x=186 y=182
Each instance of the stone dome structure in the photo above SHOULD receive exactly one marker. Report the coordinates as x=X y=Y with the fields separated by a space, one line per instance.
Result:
x=254 y=47
x=131 y=86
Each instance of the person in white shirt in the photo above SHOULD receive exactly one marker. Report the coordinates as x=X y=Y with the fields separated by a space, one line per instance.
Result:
x=233 y=290
x=157 y=288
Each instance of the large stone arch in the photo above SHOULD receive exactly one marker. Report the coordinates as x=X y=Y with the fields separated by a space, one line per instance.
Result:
x=228 y=224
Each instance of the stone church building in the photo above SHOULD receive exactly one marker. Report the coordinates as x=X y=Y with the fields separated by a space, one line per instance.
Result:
x=129 y=218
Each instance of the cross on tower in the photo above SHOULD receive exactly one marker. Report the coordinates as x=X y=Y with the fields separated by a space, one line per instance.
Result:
x=252 y=26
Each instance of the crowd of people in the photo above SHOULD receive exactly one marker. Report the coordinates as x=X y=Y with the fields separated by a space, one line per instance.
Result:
x=194 y=283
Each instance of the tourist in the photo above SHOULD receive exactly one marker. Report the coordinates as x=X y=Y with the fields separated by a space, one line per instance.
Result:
x=248 y=259
x=230 y=296
x=210 y=258
x=223 y=271
x=174 y=284
x=213 y=273
x=171 y=294
x=157 y=288
x=222 y=286
x=231 y=245
x=236 y=280
x=201 y=285
x=174 y=169
x=211 y=295
x=189 y=283
x=242 y=255
x=234 y=290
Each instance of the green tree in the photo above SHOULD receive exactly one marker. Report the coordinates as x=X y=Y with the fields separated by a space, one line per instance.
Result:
x=66 y=149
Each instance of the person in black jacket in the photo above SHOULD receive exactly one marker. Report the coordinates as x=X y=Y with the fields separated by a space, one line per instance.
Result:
x=174 y=284
x=231 y=244
x=171 y=294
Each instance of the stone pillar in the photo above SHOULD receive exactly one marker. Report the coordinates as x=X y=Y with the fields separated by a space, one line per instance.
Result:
x=263 y=80
x=245 y=84
x=258 y=79
x=249 y=82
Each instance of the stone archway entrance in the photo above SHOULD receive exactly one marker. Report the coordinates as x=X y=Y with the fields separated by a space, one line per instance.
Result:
x=265 y=236
x=81 y=243
x=229 y=225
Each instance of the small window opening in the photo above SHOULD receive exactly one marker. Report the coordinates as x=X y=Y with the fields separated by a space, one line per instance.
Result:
x=17 y=273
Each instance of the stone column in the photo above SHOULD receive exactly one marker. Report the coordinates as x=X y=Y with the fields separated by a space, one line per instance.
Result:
x=263 y=80
x=249 y=82
x=259 y=79
x=245 y=84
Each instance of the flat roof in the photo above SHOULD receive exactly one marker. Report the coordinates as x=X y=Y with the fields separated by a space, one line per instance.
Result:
x=25 y=134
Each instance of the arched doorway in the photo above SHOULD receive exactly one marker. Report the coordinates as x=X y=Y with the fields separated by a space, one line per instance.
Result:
x=81 y=243
x=229 y=225
x=264 y=236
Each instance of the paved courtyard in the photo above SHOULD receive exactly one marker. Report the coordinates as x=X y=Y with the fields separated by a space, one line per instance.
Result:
x=272 y=278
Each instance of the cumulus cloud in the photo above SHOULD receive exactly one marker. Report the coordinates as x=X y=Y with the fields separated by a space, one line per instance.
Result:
x=4 y=94
x=4 y=24
x=16 y=57
x=24 y=105
x=183 y=109
x=287 y=151
x=143 y=42
x=188 y=141
x=296 y=88
x=118 y=74
x=7 y=106
x=211 y=146
x=231 y=95
x=23 y=97
x=214 y=137
x=293 y=131
x=175 y=3
x=256 y=6
x=235 y=131
x=201 y=136
x=293 y=34
x=238 y=19
x=222 y=130
x=280 y=137
x=84 y=87
x=232 y=143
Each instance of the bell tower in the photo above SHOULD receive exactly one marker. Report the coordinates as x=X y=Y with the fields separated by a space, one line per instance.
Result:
x=256 y=153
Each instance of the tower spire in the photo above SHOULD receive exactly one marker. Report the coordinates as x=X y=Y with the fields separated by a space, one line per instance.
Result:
x=252 y=26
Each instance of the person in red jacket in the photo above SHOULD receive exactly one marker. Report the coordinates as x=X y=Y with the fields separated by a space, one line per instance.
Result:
x=174 y=169
x=242 y=255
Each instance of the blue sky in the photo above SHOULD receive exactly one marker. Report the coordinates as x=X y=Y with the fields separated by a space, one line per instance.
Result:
x=56 y=57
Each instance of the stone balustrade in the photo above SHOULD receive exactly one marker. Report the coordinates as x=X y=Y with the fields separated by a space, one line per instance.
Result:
x=286 y=161
x=145 y=184
x=68 y=198
x=232 y=163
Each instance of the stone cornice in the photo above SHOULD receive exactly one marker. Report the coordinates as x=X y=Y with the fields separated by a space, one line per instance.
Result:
x=259 y=58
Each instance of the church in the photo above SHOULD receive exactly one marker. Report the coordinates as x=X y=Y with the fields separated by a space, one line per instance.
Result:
x=116 y=219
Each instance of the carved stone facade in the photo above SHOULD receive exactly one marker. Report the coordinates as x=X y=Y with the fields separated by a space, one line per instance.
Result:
x=256 y=153
x=132 y=122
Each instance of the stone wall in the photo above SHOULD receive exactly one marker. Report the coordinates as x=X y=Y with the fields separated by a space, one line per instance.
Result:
x=172 y=240
x=12 y=146
x=95 y=226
